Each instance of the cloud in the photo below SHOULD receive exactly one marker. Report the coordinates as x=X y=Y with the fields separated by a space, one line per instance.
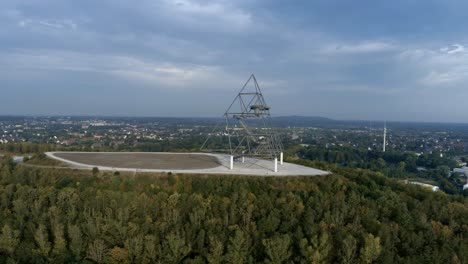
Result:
x=204 y=16
x=48 y=23
x=219 y=10
x=184 y=31
x=452 y=76
x=163 y=75
x=447 y=66
x=455 y=48
x=175 y=76
x=360 y=48
x=361 y=89
x=305 y=52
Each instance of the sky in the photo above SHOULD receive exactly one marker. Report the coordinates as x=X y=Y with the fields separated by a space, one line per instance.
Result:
x=400 y=60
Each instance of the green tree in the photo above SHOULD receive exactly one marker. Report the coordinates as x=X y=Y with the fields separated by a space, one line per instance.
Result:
x=42 y=241
x=317 y=250
x=348 y=250
x=371 y=249
x=97 y=250
x=118 y=255
x=9 y=240
x=175 y=248
x=238 y=248
x=75 y=241
x=215 y=256
x=134 y=247
x=60 y=244
x=277 y=249
x=401 y=168
x=150 y=252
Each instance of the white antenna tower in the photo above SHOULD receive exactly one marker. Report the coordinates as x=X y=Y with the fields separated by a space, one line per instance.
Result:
x=384 y=135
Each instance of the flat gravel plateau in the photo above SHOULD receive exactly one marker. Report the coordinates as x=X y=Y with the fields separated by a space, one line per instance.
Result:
x=161 y=161
x=190 y=163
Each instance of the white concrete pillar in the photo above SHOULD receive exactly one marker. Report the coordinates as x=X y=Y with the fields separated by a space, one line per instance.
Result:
x=243 y=159
x=231 y=164
x=276 y=164
x=281 y=158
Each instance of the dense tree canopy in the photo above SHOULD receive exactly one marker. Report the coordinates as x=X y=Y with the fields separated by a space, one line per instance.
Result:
x=353 y=216
x=433 y=168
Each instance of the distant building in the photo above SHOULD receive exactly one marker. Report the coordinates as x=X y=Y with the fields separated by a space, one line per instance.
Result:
x=465 y=186
x=69 y=142
x=421 y=169
x=294 y=136
x=463 y=170
x=425 y=185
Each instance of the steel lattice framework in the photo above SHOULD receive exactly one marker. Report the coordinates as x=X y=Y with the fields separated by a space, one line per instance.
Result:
x=247 y=125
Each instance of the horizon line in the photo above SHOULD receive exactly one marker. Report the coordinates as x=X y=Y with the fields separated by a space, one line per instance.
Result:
x=213 y=117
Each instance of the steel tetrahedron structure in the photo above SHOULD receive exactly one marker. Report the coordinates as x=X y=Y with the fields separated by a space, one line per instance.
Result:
x=247 y=125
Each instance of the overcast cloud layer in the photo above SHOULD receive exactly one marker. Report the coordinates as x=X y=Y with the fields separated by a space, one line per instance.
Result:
x=394 y=60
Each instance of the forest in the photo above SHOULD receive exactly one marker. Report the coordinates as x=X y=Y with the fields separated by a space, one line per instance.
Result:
x=432 y=168
x=352 y=216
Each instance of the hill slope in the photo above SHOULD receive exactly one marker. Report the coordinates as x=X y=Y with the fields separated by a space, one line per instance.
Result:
x=354 y=217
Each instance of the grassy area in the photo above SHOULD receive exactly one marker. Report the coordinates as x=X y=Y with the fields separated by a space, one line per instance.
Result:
x=43 y=160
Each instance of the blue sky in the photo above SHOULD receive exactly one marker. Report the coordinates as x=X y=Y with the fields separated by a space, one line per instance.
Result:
x=395 y=60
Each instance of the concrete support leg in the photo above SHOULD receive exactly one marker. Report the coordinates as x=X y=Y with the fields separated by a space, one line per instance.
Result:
x=276 y=164
x=231 y=164
x=281 y=158
x=243 y=160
